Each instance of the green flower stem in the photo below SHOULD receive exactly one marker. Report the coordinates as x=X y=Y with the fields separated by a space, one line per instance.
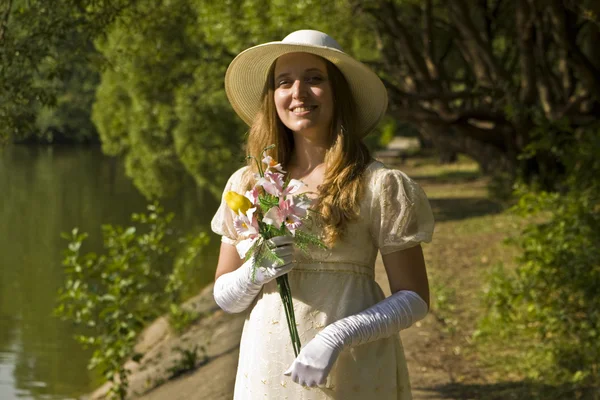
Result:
x=260 y=170
x=286 y=297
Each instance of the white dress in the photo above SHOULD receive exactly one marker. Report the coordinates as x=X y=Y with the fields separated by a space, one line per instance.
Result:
x=330 y=285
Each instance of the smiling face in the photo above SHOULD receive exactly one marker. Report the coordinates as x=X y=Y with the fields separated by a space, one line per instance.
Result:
x=303 y=95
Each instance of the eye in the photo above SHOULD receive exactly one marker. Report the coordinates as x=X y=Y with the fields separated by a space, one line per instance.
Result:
x=315 y=80
x=284 y=83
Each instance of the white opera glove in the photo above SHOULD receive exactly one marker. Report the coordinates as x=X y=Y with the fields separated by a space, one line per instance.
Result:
x=389 y=316
x=235 y=291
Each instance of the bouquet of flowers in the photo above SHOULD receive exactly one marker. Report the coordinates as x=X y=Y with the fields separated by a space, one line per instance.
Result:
x=271 y=209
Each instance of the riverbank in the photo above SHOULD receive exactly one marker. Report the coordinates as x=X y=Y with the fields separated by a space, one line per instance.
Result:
x=444 y=362
x=214 y=339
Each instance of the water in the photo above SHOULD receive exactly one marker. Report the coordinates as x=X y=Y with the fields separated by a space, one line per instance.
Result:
x=45 y=191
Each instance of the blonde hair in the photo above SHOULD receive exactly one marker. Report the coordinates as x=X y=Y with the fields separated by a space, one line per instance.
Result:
x=346 y=159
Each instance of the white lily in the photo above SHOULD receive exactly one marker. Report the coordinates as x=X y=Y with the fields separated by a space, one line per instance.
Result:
x=271 y=163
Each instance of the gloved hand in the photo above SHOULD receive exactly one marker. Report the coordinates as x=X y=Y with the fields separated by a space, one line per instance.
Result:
x=283 y=247
x=235 y=291
x=389 y=316
x=314 y=363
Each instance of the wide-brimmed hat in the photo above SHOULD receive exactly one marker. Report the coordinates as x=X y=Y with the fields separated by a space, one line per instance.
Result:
x=246 y=76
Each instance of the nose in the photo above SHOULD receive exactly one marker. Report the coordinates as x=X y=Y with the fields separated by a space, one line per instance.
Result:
x=299 y=89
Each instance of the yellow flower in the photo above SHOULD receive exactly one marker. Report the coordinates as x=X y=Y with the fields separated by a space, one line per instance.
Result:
x=237 y=202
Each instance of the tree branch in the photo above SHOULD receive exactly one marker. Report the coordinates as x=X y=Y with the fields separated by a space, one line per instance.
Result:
x=428 y=54
x=524 y=19
x=542 y=82
x=487 y=70
x=589 y=73
x=401 y=33
x=447 y=96
x=462 y=138
x=483 y=6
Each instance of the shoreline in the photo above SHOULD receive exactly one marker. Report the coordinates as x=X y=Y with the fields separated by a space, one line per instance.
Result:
x=213 y=372
x=212 y=377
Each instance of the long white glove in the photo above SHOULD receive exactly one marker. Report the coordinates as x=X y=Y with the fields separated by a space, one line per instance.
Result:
x=235 y=291
x=389 y=316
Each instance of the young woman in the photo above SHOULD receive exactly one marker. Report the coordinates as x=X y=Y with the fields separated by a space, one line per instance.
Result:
x=315 y=103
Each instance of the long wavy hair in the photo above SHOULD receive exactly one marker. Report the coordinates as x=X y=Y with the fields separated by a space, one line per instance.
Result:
x=346 y=159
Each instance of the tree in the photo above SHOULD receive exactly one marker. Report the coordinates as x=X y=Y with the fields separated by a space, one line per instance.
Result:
x=162 y=103
x=47 y=56
x=473 y=76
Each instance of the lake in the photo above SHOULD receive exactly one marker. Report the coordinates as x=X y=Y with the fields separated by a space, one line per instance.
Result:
x=45 y=191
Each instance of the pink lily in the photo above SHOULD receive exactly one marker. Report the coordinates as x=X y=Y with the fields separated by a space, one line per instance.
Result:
x=286 y=213
x=252 y=195
x=246 y=225
x=293 y=186
x=300 y=205
x=273 y=183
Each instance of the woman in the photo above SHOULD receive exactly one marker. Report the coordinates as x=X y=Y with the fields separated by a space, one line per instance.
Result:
x=316 y=103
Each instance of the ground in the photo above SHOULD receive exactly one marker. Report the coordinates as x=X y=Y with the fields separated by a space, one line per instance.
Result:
x=443 y=360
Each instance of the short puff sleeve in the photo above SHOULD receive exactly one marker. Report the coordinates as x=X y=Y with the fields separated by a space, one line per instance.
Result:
x=222 y=222
x=401 y=216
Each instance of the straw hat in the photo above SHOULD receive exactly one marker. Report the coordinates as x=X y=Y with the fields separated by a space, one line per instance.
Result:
x=248 y=72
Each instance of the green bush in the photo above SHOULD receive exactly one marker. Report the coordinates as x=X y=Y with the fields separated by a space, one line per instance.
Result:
x=188 y=361
x=547 y=310
x=181 y=318
x=141 y=275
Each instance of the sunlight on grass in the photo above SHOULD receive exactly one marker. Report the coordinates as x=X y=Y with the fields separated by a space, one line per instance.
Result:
x=458 y=180
x=464 y=168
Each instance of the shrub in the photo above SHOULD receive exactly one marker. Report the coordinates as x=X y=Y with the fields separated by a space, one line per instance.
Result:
x=550 y=304
x=142 y=273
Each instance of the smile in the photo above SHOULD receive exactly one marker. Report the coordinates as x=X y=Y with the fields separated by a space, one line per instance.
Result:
x=303 y=110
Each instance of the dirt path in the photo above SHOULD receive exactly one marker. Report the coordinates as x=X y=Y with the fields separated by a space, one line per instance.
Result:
x=415 y=341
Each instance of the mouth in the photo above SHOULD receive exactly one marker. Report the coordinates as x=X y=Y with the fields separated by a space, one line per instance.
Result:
x=303 y=110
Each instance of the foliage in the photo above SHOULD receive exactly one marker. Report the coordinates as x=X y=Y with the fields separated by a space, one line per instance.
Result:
x=188 y=360
x=162 y=104
x=143 y=271
x=551 y=302
x=453 y=69
x=181 y=318
x=444 y=307
x=48 y=65
x=69 y=119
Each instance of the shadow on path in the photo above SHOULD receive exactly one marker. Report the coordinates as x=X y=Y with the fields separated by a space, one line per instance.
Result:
x=451 y=209
x=447 y=177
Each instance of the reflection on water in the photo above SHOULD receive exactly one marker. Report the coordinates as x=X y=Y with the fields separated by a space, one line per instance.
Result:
x=45 y=191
